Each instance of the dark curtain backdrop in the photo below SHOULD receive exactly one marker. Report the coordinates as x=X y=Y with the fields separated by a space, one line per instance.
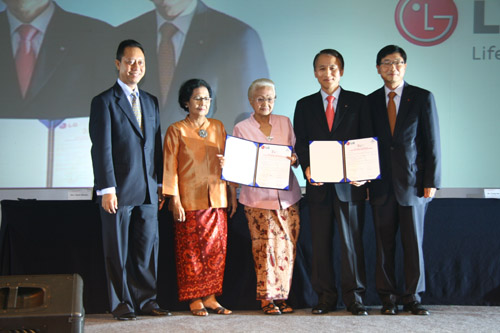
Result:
x=461 y=250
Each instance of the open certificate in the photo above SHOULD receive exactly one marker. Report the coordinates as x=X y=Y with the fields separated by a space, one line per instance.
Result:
x=344 y=161
x=256 y=164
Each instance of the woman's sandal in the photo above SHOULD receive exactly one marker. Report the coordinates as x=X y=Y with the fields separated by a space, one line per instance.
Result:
x=220 y=310
x=202 y=312
x=271 y=309
x=284 y=307
x=199 y=312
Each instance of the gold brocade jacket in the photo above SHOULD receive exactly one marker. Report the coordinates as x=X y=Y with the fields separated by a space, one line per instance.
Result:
x=191 y=168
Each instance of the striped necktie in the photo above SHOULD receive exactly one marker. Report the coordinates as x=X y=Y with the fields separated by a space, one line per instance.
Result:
x=136 y=107
x=166 y=60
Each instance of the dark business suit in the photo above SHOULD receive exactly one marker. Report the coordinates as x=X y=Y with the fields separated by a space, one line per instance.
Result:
x=69 y=69
x=410 y=160
x=131 y=162
x=223 y=51
x=340 y=201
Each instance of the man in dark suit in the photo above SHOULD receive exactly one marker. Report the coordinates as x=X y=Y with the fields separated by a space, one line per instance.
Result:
x=406 y=123
x=127 y=161
x=63 y=67
x=186 y=39
x=341 y=202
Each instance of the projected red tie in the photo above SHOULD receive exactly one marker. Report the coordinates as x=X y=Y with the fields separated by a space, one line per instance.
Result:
x=25 y=56
x=330 y=113
x=391 y=111
x=166 y=59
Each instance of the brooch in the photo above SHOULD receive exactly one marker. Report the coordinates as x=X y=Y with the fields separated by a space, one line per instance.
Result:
x=202 y=133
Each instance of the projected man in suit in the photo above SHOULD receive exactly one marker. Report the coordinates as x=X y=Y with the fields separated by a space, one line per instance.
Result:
x=127 y=161
x=52 y=60
x=406 y=123
x=187 y=39
x=346 y=118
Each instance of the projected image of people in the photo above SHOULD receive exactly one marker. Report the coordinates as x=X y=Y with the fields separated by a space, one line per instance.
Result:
x=186 y=39
x=53 y=60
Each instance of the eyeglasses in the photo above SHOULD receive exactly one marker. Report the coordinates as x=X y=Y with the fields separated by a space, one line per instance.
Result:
x=261 y=100
x=388 y=63
x=199 y=99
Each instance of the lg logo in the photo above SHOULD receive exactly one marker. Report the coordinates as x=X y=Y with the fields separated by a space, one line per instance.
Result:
x=426 y=22
x=431 y=22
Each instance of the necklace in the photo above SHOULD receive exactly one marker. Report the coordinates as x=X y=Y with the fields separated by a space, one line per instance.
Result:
x=201 y=132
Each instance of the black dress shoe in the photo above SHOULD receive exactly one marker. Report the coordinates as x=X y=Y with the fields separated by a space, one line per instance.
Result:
x=126 y=316
x=389 y=309
x=416 y=308
x=158 y=312
x=357 y=309
x=322 y=308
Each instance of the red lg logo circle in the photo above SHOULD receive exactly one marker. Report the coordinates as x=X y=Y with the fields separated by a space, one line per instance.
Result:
x=426 y=22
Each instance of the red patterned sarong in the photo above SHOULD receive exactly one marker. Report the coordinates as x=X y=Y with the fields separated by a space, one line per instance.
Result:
x=200 y=251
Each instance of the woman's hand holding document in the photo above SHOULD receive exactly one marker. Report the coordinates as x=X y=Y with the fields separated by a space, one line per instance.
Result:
x=256 y=164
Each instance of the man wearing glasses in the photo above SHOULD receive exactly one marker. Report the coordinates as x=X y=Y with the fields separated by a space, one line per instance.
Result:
x=405 y=121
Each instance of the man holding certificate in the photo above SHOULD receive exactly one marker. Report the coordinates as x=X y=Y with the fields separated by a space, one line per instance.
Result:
x=406 y=122
x=334 y=114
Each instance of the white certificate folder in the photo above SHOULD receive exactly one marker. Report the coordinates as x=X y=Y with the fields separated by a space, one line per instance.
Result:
x=256 y=164
x=344 y=161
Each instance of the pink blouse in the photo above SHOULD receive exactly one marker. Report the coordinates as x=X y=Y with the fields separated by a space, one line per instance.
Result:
x=281 y=134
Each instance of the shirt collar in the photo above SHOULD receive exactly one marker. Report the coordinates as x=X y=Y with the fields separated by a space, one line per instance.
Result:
x=255 y=122
x=40 y=22
x=126 y=89
x=181 y=22
x=398 y=90
x=335 y=94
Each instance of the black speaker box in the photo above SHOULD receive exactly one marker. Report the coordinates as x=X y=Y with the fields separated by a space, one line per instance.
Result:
x=41 y=303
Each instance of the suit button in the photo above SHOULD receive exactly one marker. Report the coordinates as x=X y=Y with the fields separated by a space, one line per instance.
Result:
x=392 y=148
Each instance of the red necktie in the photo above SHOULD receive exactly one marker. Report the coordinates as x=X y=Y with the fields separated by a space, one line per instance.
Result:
x=166 y=59
x=391 y=111
x=25 y=56
x=330 y=113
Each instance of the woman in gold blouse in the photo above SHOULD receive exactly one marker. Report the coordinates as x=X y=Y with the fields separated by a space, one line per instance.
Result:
x=198 y=200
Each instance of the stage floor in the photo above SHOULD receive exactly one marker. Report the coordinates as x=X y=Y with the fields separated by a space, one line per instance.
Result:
x=442 y=319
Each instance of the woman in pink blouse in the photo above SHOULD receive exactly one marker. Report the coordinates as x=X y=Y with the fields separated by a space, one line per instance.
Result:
x=272 y=215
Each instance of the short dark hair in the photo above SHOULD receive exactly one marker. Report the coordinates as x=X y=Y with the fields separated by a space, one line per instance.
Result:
x=390 y=49
x=331 y=52
x=127 y=43
x=187 y=88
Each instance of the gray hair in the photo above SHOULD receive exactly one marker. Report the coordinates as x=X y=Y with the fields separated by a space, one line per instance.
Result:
x=259 y=83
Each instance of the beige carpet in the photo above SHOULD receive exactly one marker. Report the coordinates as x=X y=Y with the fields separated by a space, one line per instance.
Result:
x=442 y=319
